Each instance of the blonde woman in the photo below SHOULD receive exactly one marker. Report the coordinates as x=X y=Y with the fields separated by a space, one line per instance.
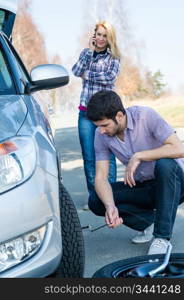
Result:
x=98 y=67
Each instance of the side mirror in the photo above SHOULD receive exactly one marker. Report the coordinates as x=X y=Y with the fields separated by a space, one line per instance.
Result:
x=48 y=76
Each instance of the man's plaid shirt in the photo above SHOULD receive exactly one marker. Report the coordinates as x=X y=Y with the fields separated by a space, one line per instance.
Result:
x=100 y=73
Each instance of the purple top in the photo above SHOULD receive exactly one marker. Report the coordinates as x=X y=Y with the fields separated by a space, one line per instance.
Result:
x=145 y=130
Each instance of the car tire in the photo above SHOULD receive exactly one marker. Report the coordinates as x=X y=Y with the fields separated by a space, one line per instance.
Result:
x=119 y=268
x=72 y=261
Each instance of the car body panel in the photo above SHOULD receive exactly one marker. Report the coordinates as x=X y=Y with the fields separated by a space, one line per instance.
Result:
x=12 y=115
x=31 y=208
x=37 y=125
x=36 y=201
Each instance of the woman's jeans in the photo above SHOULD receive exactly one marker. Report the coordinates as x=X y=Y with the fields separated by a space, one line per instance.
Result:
x=86 y=136
x=153 y=201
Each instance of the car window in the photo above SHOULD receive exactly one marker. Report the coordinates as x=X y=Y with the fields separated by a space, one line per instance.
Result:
x=21 y=76
x=6 y=83
x=2 y=18
x=22 y=69
x=7 y=16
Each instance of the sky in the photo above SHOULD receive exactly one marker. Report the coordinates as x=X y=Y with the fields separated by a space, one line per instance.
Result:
x=157 y=25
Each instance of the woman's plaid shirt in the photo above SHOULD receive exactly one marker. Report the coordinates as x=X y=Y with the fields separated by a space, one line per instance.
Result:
x=99 y=73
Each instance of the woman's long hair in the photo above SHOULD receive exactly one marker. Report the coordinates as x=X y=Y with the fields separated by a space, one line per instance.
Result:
x=111 y=38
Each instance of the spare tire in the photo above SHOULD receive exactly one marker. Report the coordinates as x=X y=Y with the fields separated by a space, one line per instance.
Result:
x=140 y=266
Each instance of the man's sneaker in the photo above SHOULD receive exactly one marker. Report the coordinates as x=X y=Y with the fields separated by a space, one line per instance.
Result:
x=86 y=207
x=143 y=236
x=158 y=246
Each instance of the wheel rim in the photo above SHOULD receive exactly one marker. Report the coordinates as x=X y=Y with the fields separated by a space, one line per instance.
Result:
x=174 y=269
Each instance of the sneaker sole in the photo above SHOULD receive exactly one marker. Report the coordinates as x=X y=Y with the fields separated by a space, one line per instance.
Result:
x=141 y=242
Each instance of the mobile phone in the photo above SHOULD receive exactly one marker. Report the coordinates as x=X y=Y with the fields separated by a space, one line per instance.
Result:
x=94 y=43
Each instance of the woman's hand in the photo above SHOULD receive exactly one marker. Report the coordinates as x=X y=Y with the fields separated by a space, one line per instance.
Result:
x=92 y=43
x=83 y=76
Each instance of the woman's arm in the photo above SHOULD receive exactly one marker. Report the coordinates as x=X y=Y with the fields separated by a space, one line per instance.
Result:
x=105 y=78
x=83 y=62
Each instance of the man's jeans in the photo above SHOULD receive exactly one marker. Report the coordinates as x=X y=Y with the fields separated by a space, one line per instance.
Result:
x=150 y=201
x=86 y=135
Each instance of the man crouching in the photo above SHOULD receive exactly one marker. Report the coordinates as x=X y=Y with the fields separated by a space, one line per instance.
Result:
x=153 y=155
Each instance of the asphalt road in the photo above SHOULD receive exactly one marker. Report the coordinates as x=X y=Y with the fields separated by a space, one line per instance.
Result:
x=105 y=245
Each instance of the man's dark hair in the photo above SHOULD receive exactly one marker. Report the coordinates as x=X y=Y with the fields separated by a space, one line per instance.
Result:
x=104 y=104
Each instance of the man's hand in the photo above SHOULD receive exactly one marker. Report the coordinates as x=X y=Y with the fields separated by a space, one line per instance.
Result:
x=112 y=217
x=130 y=170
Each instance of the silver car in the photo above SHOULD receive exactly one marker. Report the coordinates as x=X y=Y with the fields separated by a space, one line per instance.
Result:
x=40 y=230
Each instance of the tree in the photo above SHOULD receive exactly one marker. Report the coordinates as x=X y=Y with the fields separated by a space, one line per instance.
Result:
x=129 y=80
x=154 y=84
x=27 y=39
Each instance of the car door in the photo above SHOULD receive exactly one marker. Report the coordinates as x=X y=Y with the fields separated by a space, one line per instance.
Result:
x=8 y=9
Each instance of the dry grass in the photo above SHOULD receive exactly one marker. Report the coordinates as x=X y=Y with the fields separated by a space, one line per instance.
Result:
x=170 y=108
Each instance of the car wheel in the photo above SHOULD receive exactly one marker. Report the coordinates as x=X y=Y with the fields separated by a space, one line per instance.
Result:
x=72 y=261
x=141 y=265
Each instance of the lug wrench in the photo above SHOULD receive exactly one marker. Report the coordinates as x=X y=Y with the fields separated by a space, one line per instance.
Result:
x=96 y=228
x=164 y=264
